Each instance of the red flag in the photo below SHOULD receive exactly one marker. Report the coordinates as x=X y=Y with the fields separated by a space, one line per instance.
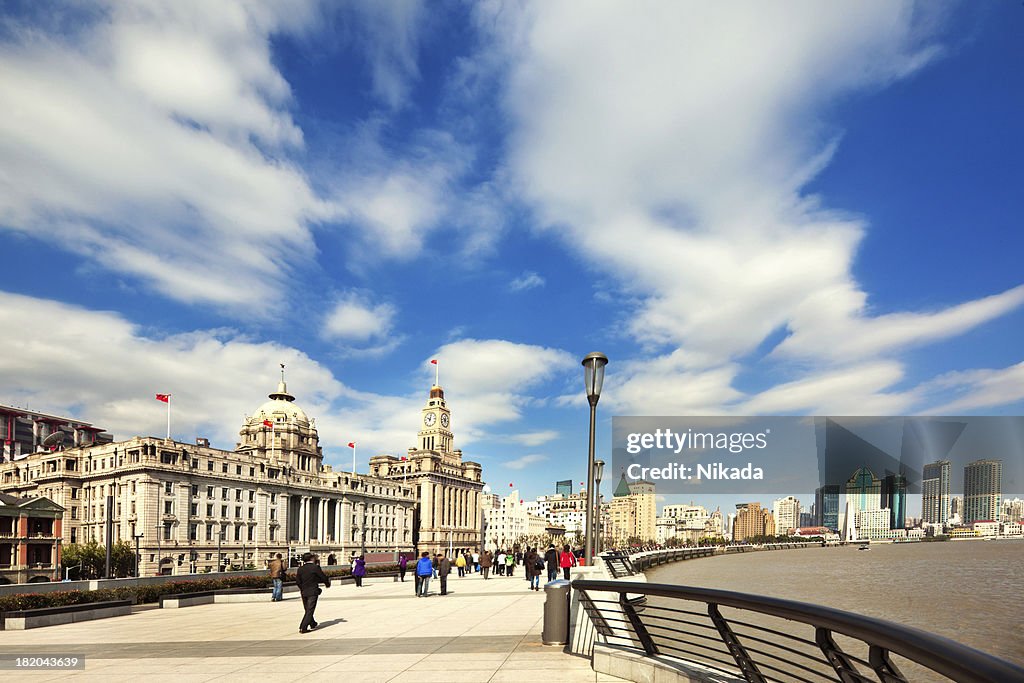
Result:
x=268 y=423
x=166 y=398
x=510 y=484
x=433 y=361
x=520 y=501
x=351 y=444
x=404 y=458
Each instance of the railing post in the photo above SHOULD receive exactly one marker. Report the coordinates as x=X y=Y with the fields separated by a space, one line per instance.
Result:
x=886 y=671
x=842 y=664
x=747 y=666
x=638 y=626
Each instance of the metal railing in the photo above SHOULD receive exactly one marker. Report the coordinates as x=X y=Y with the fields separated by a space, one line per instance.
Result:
x=759 y=639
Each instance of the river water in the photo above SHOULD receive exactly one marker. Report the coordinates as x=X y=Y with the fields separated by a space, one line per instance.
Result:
x=969 y=591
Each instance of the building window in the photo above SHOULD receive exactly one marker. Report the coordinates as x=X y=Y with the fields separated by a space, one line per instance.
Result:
x=238 y=470
x=252 y=533
x=238 y=494
x=223 y=494
x=273 y=533
x=252 y=496
x=209 y=492
x=224 y=468
x=167 y=531
x=252 y=513
x=209 y=510
x=209 y=465
x=209 y=535
x=74 y=493
x=168 y=507
x=273 y=513
x=223 y=510
x=193 y=532
x=195 y=510
x=238 y=511
x=252 y=471
x=168 y=488
x=195 y=490
x=238 y=533
x=273 y=498
x=74 y=512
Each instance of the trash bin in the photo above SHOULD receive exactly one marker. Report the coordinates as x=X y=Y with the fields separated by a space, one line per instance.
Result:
x=556 y=613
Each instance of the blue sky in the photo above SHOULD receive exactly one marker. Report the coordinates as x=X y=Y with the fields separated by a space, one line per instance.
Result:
x=801 y=208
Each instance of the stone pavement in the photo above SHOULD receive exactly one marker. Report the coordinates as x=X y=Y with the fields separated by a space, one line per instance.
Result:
x=481 y=631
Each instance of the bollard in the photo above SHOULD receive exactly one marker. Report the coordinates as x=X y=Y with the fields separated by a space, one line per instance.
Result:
x=556 y=613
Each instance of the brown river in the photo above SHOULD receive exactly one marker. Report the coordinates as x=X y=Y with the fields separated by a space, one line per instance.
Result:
x=969 y=591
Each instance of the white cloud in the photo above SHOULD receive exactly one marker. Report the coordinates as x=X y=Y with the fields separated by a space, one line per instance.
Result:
x=528 y=280
x=355 y=319
x=524 y=462
x=975 y=389
x=389 y=33
x=153 y=145
x=533 y=439
x=864 y=389
x=671 y=148
x=99 y=367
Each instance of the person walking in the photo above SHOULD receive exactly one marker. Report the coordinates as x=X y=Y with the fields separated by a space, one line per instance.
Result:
x=359 y=571
x=460 y=564
x=444 y=568
x=277 y=575
x=534 y=565
x=476 y=561
x=551 y=560
x=309 y=577
x=485 y=564
x=565 y=561
x=424 y=570
x=500 y=568
x=402 y=562
x=510 y=564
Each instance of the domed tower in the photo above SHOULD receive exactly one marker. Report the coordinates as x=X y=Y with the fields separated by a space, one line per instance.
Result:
x=280 y=431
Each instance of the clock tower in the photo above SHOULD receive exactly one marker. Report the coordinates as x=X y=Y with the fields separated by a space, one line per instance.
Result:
x=435 y=426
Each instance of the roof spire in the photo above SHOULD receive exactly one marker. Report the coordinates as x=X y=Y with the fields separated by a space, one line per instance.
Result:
x=282 y=389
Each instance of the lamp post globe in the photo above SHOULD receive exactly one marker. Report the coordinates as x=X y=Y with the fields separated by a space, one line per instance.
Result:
x=598 y=475
x=593 y=379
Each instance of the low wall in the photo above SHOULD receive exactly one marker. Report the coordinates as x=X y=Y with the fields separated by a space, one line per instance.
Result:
x=52 y=616
x=227 y=595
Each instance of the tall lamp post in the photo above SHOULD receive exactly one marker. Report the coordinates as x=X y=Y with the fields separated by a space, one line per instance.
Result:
x=598 y=472
x=137 y=537
x=593 y=378
x=159 y=563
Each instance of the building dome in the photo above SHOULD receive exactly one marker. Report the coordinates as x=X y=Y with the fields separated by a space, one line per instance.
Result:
x=281 y=405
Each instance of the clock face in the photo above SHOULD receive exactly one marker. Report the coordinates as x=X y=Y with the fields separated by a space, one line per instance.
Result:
x=429 y=419
x=444 y=419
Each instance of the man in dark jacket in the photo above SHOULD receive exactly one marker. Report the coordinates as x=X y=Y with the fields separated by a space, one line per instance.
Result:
x=444 y=568
x=551 y=561
x=309 y=577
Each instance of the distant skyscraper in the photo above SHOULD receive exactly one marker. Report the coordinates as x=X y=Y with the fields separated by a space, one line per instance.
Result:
x=935 y=492
x=564 y=487
x=826 y=506
x=982 y=490
x=863 y=491
x=787 y=514
x=894 y=497
x=752 y=521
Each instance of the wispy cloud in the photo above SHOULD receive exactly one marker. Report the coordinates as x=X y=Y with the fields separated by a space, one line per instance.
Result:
x=528 y=280
x=524 y=462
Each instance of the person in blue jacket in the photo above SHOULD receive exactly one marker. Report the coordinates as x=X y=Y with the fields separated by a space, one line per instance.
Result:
x=424 y=570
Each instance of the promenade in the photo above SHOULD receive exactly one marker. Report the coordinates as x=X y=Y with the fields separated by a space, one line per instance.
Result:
x=481 y=631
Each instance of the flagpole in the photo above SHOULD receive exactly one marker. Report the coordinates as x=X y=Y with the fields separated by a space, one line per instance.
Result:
x=437 y=374
x=168 y=417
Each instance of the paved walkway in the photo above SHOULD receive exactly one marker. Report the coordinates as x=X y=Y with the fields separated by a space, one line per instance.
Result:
x=481 y=631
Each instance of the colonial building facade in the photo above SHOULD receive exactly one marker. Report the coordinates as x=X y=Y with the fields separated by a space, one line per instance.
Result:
x=30 y=536
x=195 y=508
x=449 y=489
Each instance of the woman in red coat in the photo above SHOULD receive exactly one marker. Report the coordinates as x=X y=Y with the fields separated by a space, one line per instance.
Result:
x=565 y=561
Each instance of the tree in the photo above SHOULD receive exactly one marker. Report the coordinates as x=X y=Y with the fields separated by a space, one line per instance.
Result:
x=91 y=556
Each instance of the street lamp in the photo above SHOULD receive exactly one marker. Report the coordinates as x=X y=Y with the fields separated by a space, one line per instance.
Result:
x=593 y=378
x=598 y=471
x=137 y=537
x=159 y=566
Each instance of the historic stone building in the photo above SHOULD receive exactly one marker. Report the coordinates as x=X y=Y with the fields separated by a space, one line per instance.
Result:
x=197 y=508
x=30 y=535
x=449 y=512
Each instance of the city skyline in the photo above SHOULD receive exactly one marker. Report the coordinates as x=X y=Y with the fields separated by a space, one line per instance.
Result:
x=799 y=209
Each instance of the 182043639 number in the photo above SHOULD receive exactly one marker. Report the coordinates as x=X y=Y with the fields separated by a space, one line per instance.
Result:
x=24 y=662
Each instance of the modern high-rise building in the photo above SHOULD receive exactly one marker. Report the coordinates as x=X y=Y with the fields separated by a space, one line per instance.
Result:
x=935 y=492
x=787 y=514
x=863 y=491
x=751 y=521
x=826 y=506
x=894 y=497
x=564 y=488
x=26 y=431
x=982 y=490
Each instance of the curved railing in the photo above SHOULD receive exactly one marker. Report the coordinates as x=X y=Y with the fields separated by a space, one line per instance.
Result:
x=689 y=624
